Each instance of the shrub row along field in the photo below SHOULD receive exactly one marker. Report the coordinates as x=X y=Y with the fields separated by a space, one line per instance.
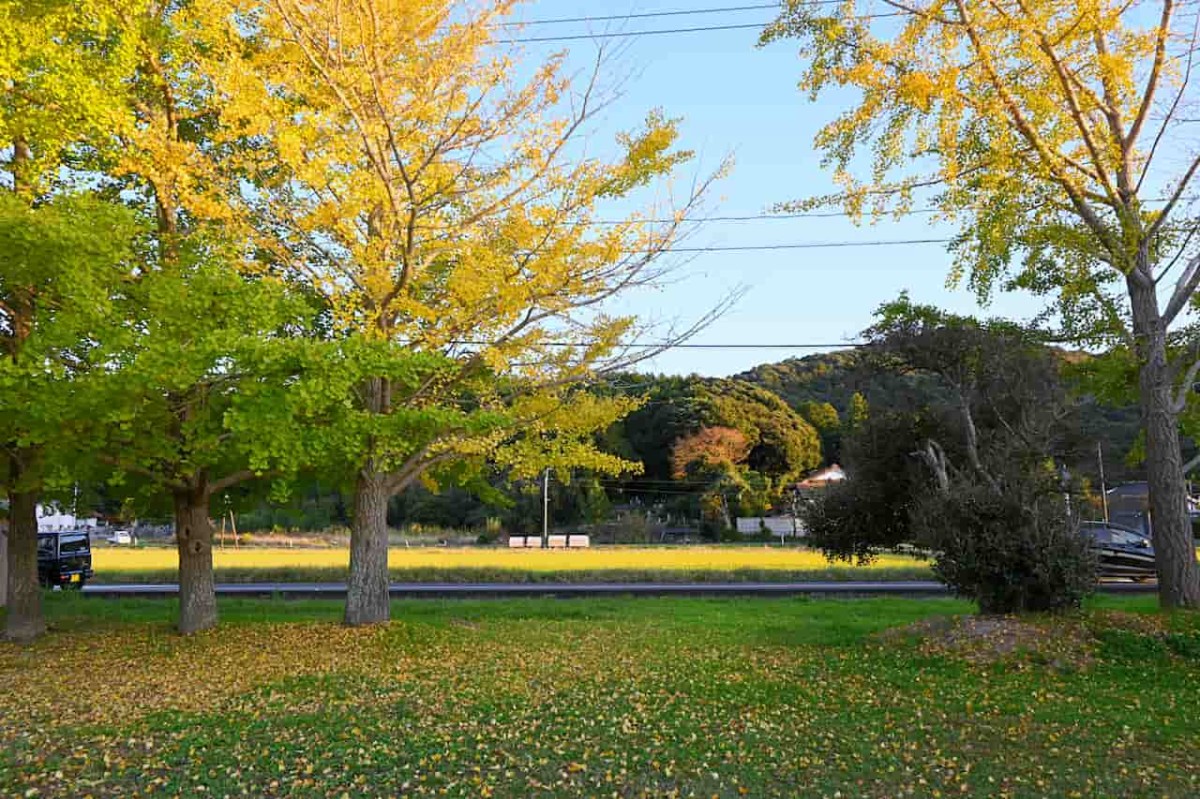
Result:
x=610 y=564
x=616 y=697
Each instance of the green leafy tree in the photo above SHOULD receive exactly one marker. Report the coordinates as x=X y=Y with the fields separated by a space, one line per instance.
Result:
x=63 y=260
x=824 y=417
x=1044 y=130
x=835 y=377
x=782 y=443
x=202 y=348
x=62 y=75
x=859 y=410
x=987 y=498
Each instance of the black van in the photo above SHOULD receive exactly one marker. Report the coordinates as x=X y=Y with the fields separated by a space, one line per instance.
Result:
x=64 y=558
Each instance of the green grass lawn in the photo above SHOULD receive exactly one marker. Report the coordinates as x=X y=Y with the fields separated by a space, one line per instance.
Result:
x=612 y=697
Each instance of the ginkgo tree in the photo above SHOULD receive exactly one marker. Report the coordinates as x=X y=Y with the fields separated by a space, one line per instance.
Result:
x=62 y=261
x=430 y=185
x=62 y=249
x=199 y=343
x=1052 y=132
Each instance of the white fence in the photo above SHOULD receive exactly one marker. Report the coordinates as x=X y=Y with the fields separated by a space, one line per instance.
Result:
x=553 y=542
x=775 y=525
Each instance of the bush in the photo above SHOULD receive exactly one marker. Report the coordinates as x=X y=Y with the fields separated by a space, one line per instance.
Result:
x=729 y=535
x=849 y=522
x=1012 y=553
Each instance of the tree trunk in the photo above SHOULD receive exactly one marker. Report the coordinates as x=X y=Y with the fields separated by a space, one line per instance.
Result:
x=3 y=568
x=193 y=537
x=1175 y=553
x=367 y=600
x=25 y=621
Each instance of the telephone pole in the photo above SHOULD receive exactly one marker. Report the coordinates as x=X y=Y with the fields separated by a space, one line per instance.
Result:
x=546 y=508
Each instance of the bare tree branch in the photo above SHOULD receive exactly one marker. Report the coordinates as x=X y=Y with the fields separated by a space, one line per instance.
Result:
x=1185 y=288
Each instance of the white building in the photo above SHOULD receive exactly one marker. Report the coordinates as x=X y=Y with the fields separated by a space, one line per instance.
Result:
x=782 y=526
x=51 y=519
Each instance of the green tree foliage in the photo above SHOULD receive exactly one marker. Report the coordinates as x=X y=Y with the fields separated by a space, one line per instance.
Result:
x=824 y=417
x=987 y=498
x=835 y=377
x=821 y=415
x=872 y=509
x=782 y=444
x=1018 y=551
x=61 y=72
x=1107 y=410
x=859 y=410
x=63 y=262
x=187 y=406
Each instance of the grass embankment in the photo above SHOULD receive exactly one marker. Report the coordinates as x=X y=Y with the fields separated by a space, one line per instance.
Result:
x=661 y=697
x=442 y=564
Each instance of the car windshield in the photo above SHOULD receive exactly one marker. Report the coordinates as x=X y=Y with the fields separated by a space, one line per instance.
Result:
x=1127 y=539
x=73 y=545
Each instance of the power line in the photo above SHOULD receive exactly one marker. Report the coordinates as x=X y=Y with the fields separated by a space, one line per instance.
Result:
x=663 y=31
x=654 y=345
x=767 y=216
x=650 y=14
x=630 y=34
x=816 y=245
x=745 y=217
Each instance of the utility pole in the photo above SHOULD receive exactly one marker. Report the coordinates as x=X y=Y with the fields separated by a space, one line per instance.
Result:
x=1103 y=488
x=546 y=508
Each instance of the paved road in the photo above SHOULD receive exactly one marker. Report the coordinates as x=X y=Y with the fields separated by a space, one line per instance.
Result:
x=451 y=590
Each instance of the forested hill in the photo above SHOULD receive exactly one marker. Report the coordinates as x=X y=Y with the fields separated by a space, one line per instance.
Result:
x=835 y=377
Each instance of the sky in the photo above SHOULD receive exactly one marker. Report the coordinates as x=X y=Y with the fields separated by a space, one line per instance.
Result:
x=737 y=99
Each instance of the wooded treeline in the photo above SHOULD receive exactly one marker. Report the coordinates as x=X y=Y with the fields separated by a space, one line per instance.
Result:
x=793 y=415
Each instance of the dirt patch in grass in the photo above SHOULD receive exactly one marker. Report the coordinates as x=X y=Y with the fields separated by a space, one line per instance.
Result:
x=1065 y=643
x=1062 y=643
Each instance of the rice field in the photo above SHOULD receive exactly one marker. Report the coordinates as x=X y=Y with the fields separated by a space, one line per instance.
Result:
x=687 y=558
x=613 y=563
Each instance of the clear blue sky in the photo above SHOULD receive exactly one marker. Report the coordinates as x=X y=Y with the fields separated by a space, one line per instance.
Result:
x=736 y=98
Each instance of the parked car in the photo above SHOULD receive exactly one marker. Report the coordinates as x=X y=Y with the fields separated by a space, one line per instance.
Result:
x=1120 y=551
x=122 y=538
x=64 y=558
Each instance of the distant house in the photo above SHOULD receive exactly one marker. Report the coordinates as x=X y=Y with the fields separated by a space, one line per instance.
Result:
x=822 y=478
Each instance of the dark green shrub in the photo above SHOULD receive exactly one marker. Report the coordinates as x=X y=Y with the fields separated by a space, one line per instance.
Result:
x=1012 y=552
x=871 y=511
